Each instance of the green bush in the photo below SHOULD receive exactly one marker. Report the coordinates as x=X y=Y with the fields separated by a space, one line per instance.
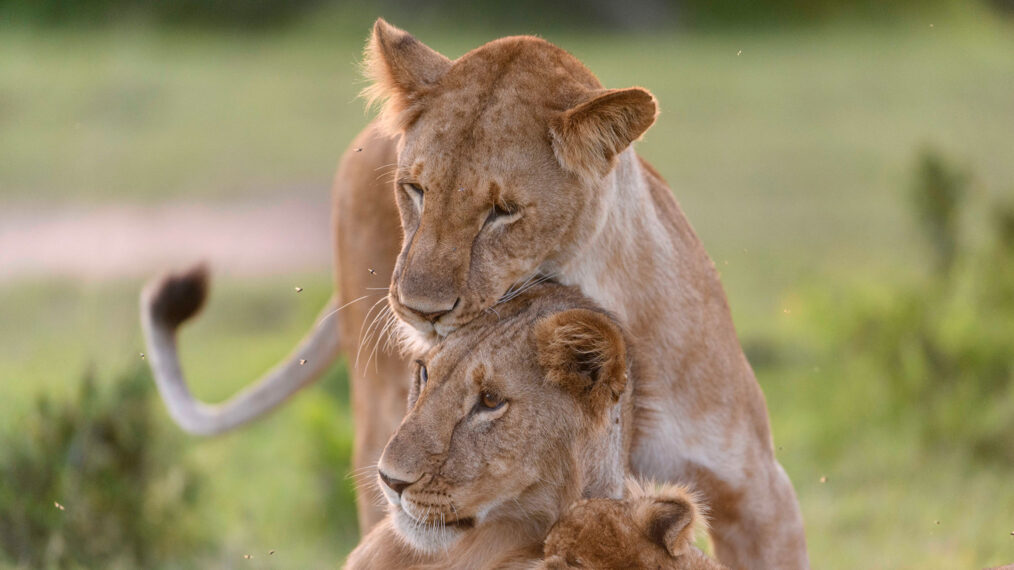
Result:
x=96 y=482
x=938 y=194
x=943 y=346
x=736 y=12
x=328 y=423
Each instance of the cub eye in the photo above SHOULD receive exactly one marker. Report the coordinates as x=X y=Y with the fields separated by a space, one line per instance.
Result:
x=489 y=401
x=501 y=211
x=423 y=376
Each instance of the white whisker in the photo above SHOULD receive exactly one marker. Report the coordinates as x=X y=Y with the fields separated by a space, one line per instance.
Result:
x=327 y=316
x=392 y=334
x=379 y=337
x=361 y=339
x=528 y=284
x=370 y=332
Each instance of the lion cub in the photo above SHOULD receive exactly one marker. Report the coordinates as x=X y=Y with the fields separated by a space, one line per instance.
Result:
x=512 y=418
x=646 y=529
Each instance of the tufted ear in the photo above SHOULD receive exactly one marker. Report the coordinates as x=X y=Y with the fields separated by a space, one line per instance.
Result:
x=667 y=518
x=583 y=352
x=587 y=138
x=400 y=69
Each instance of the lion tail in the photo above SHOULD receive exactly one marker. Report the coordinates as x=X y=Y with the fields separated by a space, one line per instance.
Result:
x=169 y=301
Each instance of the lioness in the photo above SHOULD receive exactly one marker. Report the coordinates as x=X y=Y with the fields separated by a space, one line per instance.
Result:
x=648 y=528
x=504 y=166
x=512 y=418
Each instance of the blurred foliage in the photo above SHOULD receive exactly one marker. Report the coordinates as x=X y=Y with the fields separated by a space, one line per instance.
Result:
x=736 y=12
x=633 y=14
x=938 y=194
x=95 y=482
x=944 y=345
x=232 y=13
x=328 y=425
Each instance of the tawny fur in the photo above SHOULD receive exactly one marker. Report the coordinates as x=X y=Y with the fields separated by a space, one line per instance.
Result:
x=487 y=484
x=649 y=528
x=521 y=122
x=522 y=125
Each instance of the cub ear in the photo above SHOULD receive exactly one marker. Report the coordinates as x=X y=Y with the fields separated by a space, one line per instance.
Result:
x=668 y=519
x=400 y=69
x=554 y=562
x=587 y=138
x=583 y=352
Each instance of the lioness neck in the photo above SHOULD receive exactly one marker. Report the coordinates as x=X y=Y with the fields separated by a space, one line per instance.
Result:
x=642 y=255
x=642 y=261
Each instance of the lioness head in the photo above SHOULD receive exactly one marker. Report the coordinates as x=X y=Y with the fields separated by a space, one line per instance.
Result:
x=511 y=418
x=646 y=529
x=503 y=165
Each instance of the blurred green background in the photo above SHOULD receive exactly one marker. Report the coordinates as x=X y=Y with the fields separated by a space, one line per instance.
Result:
x=848 y=165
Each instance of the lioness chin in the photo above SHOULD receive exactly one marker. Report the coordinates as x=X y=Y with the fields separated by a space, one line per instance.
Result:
x=512 y=418
x=507 y=165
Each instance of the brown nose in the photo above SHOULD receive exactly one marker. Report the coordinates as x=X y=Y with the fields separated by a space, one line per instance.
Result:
x=394 y=484
x=431 y=316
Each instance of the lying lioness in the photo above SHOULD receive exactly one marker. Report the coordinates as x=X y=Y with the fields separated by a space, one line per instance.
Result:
x=512 y=418
x=648 y=528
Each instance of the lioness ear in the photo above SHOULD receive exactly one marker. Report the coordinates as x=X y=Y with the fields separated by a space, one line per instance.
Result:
x=668 y=518
x=401 y=69
x=583 y=352
x=587 y=138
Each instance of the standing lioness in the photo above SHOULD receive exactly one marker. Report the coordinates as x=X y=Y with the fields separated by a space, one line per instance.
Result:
x=511 y=162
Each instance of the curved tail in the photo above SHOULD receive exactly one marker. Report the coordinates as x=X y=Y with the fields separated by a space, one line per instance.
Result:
x=166 y=303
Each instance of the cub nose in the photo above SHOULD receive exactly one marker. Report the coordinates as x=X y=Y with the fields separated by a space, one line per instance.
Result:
x=427 y=312
x=395 y=485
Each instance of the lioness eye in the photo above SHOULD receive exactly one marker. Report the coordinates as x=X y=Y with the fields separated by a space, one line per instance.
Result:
x=413 y=189
x=423 y=376
x=500 y=211
x=490 y=401
x=415 y=192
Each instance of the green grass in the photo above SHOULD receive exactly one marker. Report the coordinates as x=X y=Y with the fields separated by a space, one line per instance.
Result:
x=50 y=333
x=792 y=153
x=791 y=159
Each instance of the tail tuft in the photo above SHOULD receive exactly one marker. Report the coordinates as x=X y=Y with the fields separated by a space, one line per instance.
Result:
x=174 y=298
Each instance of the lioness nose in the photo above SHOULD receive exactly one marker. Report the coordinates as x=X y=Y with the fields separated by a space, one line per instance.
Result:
x=431 y=315
x=395 y=485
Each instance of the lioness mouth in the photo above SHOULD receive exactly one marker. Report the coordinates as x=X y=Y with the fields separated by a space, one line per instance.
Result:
x=461 y=523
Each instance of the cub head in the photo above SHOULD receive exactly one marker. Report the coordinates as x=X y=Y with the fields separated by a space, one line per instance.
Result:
x=511 y=418
x=646 y=529
x=503 y=167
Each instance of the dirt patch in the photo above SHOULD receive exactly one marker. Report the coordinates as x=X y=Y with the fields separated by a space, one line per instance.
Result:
x=109 y=242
